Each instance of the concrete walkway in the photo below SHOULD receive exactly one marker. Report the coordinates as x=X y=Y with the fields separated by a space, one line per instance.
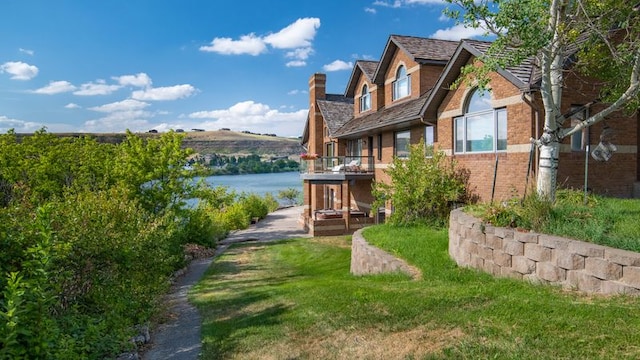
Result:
x=179 y=339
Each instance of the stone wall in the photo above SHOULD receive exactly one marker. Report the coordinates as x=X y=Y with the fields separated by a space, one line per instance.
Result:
x=367 y=259
x=542 y=258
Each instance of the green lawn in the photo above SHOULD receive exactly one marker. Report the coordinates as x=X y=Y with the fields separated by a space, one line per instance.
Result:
x=297 y=300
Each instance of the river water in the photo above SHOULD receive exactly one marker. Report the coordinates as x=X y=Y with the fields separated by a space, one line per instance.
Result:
x=258 y=183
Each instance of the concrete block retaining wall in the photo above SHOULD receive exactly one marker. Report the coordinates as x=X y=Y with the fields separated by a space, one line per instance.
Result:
x=542 y=258
x=368 y=259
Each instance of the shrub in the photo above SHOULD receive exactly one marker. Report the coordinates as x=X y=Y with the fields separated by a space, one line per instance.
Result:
x=272 y=203
x=291 y=195
x=422 y=190
x=201 y=226
x=254 y=205
x=234 y=217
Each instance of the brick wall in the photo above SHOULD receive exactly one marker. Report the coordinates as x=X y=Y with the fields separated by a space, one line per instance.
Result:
x=541 y=258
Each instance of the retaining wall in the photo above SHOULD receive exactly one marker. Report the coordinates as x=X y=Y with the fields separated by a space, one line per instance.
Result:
x=542 y=258
x=368 y=259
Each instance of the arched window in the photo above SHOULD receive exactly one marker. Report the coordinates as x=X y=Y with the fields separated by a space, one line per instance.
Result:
x=481 y=128
x=365 y=99
x=402 y=84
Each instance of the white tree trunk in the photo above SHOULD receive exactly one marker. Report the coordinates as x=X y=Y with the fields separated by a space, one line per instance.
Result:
x=548 y=169
x=551 y=92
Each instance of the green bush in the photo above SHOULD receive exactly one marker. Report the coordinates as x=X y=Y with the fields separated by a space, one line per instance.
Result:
x=202 y=227
x=234 y=217
x=254 y=205
x=272 y=203
x=291 y=195
x=422 y=189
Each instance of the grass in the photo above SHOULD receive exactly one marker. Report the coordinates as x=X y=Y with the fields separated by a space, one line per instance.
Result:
x=605 y=221
x=296 y=299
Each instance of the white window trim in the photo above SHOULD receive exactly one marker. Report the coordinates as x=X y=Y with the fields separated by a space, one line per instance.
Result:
x=464 y=117
x=395 y=87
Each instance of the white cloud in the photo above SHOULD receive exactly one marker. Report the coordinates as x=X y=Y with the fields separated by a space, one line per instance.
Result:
x=56 y=87
x=338 y=65
x=297 y=35
x=26 y=51
x=458 y=32
x=19 y=126
x=119 y=121
x=19 y=70
x=370 y=10
x=72 y=106
x=124 y=105
x=141 y=80
x=402 y=3
x=248 y=44
x=100 y=87
x=363 y=57
x=300 y=53
x=296 y=92
x=249 y=115
x=164 y=93
x=296 y=63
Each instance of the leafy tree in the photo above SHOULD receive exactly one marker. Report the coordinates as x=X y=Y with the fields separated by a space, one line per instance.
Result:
x=154 y=170
x=422 y=189
x=291 y=195
x=597 y=38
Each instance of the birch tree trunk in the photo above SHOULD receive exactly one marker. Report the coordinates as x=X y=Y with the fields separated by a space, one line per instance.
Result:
x=551 y=91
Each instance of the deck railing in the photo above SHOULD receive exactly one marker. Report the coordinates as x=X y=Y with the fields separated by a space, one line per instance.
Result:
x=338 y=164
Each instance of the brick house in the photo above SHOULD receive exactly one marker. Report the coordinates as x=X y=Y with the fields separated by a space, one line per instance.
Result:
x=406 y=97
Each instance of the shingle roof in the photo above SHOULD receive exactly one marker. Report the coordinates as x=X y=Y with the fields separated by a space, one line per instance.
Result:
x=425 y=48
x=522 y=72
x=422 y=50
x=336 y=110
x=368 y=68
x=391 y=116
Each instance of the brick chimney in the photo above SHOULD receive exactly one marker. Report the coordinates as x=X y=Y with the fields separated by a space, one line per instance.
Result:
x=317 y=91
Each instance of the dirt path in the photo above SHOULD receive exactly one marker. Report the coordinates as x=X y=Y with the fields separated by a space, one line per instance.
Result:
x=179 y=339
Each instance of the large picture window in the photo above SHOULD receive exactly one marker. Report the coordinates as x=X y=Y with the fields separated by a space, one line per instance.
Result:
x=481 y=128
x=365 y=99
x=402 y=83
x=402 y=144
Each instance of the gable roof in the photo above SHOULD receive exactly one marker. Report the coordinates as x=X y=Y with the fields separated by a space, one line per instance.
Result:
x=421 y=50
x=335 y=109
x=394 y=117
x=519 y=75
x=364 y=67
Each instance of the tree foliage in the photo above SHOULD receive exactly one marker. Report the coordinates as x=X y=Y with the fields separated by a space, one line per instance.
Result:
x=90 y=234
x=596 y=40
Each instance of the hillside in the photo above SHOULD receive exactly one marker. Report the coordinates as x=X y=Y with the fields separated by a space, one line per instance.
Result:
x=219 y=142
x=231 y=142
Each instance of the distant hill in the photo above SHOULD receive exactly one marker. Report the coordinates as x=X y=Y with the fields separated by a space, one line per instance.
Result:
x=220 y=142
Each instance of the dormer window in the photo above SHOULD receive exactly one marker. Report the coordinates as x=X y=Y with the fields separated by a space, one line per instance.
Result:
x=402 y=84
x=365 y=99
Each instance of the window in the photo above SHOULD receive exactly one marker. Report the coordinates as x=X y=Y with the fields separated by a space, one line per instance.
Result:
x=354 y=147
x=578 y=139
x=402 y=84
x=429 y=139
x=379 y=146
x=365 y=99
x=402 y=142
x=481 y=128
x=329 y=152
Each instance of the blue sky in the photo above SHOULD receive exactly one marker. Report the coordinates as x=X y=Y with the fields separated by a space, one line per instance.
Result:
x=108 y=66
